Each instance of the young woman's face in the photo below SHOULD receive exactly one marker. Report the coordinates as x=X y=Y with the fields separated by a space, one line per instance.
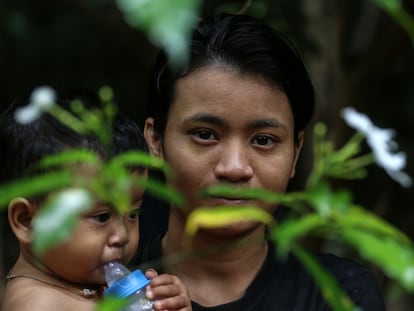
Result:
x=101 y=235
x=225 y=127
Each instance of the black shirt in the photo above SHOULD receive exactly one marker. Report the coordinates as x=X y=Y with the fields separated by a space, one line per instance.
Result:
x=286 y=285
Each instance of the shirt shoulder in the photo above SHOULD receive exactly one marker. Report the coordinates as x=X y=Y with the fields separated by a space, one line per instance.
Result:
x=357 y=280
x=286 y=283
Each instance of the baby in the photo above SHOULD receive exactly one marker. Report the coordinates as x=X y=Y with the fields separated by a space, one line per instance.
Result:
x=70 y=275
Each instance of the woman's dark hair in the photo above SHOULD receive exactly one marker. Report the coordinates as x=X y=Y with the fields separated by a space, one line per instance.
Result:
x=247 y=45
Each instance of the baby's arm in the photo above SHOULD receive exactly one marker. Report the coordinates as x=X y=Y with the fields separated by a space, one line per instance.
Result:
x=168 y=292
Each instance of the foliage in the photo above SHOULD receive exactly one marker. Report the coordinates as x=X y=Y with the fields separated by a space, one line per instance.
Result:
x=112 y=304
x=320 y=210
x=396 y=10
x=329 y=286
x=166 y=22
x=205 y=217
x=75 y=179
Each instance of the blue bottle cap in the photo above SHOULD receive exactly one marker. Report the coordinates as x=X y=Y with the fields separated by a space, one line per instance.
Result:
x=128 y=285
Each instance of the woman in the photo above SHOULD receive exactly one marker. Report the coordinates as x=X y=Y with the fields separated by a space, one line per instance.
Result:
x=236 y=115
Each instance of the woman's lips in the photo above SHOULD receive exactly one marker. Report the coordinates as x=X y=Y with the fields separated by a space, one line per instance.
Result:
x=218 y=201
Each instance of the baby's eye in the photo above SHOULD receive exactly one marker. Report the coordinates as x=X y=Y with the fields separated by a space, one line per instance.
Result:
x=102 y=217
x=133 y=215
x=264 y=140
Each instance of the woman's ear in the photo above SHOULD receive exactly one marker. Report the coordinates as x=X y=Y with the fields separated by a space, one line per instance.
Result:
x=298 y=148
x=152 y=138
x=20 y=214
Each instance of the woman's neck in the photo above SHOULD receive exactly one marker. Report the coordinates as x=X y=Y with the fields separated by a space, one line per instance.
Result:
x=214 y=266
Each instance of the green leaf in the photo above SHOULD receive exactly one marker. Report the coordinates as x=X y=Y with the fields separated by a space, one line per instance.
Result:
x=349 y=150
x=356 y=217
x=329 y=286
x=326 y=201
x=113 y=185
x=32 y=186
x=112 y=304
x=72 y=156
x=389 y=5
x=164 y=192
x=289 y=231
x=168 y=23
x=208 y=217
x=396 y=10
x=68 y=118
x=137 y=158
x=251 y=194
x=342 y=163
x=354 y=168
x=56 y=219
x=395 y=259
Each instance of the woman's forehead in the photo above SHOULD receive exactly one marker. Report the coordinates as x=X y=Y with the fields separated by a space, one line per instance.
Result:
x=219 y=91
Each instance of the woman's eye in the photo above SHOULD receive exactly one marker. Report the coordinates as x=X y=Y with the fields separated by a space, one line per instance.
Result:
x=204 y=135
x=133 y=215
x=102 y=217
x=264 y=140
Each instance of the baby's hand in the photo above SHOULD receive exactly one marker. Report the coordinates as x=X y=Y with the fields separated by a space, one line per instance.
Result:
x=168 y=292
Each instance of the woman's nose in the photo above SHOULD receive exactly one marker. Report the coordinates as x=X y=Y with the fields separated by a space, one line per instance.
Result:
x=233 y=163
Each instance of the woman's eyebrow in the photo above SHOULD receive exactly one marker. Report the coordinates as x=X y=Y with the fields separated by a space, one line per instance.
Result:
x=205 y=117
x=254 y=124
x=262 y=123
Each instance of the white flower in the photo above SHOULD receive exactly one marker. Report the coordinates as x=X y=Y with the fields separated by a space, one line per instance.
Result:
x=43 y=97
x=381 y=143
x=26 y=115
x=41 y=100
x=74 y=199
x=67 y=203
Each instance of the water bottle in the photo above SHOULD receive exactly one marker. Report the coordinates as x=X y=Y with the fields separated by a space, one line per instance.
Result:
x=125 y=284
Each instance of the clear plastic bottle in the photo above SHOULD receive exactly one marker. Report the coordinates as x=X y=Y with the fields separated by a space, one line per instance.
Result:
x=125 y=284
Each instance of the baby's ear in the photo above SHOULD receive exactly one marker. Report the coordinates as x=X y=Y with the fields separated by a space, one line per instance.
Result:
x=20 y=214
x=152 y=138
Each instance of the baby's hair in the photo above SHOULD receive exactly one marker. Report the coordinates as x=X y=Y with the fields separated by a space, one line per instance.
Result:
x=24 y=145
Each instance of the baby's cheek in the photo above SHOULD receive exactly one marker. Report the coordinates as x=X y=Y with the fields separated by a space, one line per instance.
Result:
x=130 y=251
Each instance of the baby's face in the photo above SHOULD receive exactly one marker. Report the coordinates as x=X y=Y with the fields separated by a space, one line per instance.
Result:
x=101 y=235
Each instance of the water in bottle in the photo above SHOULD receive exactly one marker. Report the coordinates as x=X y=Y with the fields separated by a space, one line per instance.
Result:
x=125 y=284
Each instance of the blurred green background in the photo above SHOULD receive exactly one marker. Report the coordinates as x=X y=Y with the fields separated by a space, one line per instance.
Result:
x=357 y=56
